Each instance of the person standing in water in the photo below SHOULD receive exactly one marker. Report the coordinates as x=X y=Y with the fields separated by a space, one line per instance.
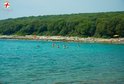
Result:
x=64 y=46
x=53 y=44
x=78 y=45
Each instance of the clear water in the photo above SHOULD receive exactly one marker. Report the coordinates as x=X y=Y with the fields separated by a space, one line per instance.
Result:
x=37 y=62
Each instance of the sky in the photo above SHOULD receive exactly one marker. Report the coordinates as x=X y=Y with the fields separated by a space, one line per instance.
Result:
x=24 y=8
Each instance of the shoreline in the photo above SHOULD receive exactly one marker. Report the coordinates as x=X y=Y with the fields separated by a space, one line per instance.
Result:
x=65 y=38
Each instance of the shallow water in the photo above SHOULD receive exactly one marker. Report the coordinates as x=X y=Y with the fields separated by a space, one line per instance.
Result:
x=37 y=62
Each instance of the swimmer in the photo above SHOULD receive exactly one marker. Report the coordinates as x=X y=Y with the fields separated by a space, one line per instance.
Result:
x=78 y=45
x=64 y=46
x=38 y=46
x=58 y=46
x=53 y=45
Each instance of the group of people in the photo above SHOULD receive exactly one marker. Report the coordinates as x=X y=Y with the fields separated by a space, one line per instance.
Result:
x=55 y=45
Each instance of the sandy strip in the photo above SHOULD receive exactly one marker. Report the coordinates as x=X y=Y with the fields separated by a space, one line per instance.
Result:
x=65 y=38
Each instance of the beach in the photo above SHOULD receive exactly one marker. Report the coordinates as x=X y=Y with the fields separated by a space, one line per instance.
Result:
x=66 y=38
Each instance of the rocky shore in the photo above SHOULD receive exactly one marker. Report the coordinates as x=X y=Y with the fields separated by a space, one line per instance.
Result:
x=65 y=38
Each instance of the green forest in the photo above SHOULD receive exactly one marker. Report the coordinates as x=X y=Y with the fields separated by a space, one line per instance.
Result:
x=103 y=25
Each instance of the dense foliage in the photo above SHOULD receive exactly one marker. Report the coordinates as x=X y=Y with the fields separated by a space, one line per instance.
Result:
x=84 y=25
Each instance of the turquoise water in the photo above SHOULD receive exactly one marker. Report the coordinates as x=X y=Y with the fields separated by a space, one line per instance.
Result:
x=37 y=62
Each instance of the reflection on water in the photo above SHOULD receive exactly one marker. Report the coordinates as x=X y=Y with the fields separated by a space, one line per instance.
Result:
x=38 y=62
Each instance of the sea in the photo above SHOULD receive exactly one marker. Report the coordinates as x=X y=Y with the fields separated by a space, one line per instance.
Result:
x=56 y=62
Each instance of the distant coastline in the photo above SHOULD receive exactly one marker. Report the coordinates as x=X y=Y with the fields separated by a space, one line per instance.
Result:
x=102 y=25
x=65 y=38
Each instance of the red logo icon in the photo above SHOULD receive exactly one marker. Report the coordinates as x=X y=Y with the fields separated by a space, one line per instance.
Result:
x=7 y=4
